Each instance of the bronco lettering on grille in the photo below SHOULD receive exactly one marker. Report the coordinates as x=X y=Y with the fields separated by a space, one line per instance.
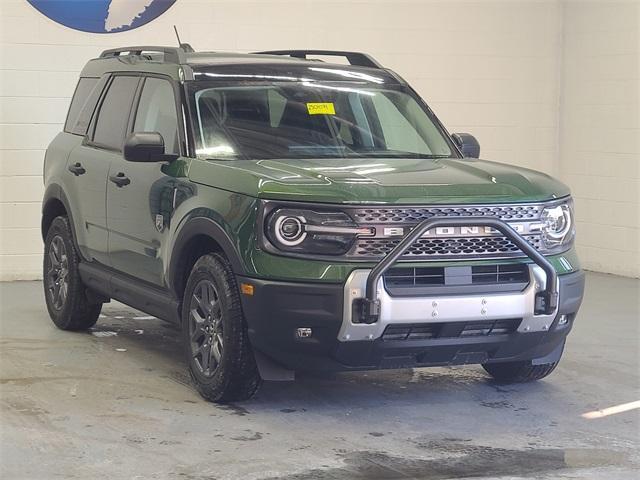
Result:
x=471 y=231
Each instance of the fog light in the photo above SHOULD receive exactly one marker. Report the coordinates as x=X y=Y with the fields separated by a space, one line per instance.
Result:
x=563 y=320
x=304 y=332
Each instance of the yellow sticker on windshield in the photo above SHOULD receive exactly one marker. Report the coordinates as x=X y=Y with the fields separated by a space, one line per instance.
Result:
x=321 y=109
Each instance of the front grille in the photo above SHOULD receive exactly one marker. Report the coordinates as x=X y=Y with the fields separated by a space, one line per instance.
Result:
x=500 y=274
x=444 y=247
x=391 y=224
x=418 y=214
x=413 y=277
x=450 y=330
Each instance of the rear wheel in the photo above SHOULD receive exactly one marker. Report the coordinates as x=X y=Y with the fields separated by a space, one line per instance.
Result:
x=519 y=372
x=66 y=296
x=216 y=342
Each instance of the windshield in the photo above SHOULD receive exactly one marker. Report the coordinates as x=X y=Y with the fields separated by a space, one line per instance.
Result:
x=312 y=120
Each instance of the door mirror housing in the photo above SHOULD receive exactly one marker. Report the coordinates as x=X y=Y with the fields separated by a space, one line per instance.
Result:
x=146 y=147
x=467 y=144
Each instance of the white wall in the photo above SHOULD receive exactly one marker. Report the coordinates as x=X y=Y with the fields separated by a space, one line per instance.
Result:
x=492 y=68
x=600 y=131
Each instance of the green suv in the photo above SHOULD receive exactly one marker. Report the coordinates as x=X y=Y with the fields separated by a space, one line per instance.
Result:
x=292 y=214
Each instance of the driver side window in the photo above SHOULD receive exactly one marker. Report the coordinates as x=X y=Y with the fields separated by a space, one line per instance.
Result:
x=157 y=113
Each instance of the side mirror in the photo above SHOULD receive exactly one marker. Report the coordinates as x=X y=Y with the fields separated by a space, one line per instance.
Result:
x=145 y=147
x=467 y=144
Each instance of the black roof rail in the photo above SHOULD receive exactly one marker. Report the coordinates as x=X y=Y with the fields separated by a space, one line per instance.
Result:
x=355 y=58
x=171 y=54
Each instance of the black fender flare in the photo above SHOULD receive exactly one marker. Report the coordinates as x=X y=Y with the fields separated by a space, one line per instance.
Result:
x=201 y=226
x=55 y=192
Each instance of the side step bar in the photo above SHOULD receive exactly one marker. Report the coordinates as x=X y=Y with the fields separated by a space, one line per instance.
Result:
x=152 y=300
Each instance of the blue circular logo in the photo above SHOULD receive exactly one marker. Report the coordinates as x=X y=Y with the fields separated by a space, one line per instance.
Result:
x=102 y=16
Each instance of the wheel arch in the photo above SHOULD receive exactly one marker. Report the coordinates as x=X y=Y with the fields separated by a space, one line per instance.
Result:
x=197 y=237
x=54 y=204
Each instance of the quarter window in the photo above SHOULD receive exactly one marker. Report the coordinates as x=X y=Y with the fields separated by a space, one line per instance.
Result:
x=82 y=106
x=157 y=112
x=114 y=112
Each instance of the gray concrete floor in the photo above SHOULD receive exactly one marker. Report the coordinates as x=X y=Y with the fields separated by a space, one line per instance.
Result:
x=89 y=405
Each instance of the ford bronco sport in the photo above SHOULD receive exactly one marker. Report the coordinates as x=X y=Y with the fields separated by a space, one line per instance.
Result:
x=292 y=214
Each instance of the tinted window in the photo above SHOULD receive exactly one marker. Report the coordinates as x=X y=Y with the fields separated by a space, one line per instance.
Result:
x=309 y=119
x=82 y=106
x=157 y=112
x=399 y=125
x=114 y=112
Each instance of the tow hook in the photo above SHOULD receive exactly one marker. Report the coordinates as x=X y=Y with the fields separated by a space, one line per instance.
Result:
x=367 y=310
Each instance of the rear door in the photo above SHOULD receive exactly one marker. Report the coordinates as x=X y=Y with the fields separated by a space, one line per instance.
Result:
x=90 y=161
x=86 y=175
x=139 y=212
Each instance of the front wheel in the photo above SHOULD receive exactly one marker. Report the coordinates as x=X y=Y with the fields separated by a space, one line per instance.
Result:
x=216 y=342
x=66 y=296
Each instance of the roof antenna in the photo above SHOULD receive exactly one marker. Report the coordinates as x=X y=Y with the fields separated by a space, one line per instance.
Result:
x=184 y=46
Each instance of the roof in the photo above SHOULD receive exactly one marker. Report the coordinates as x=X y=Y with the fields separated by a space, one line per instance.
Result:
x=182 y=62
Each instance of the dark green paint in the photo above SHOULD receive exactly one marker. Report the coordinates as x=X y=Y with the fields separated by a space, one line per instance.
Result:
x=392 y=181
x=119 y=226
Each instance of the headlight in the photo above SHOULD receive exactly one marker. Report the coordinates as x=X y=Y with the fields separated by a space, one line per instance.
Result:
x=557 y=225
x=312 y=232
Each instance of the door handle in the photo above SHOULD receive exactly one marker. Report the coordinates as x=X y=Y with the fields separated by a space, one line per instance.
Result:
x=77 y=169
x=120 y=179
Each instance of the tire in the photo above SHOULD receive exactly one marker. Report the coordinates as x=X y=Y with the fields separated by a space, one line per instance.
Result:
x=215 y=338
x=519 y=372
x=65 y=294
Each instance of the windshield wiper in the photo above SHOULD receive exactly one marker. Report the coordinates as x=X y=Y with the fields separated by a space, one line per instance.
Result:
x=399 y=154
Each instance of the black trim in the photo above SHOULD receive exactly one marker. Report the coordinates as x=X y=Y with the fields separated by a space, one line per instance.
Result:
x=571 y=292
x=187 y=119
x=55 y=192
x=357 y=59
x=425 y=281
x=478 y=289
x=276 y=309
x=171 y=54
x=189 y=230
x=131 y=291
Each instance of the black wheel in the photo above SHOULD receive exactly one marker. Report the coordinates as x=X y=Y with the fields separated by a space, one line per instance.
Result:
x=65 y=294
x=519 y=372
x=219 y=355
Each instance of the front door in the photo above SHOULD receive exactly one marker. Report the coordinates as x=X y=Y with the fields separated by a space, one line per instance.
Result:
x=138 y=211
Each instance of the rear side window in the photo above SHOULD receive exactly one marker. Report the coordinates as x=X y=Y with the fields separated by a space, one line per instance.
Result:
x=114 y=113
x=82 y=106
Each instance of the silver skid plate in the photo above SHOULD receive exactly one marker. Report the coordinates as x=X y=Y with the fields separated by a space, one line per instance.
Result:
x=438 y=309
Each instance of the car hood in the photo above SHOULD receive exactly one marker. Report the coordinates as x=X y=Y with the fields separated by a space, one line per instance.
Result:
x=374 y=180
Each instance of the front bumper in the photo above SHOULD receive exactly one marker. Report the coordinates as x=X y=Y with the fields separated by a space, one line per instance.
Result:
x=277 y=309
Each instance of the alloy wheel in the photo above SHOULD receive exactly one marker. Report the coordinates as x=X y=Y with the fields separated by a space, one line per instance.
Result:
x=58 y=273
x=205 y=327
